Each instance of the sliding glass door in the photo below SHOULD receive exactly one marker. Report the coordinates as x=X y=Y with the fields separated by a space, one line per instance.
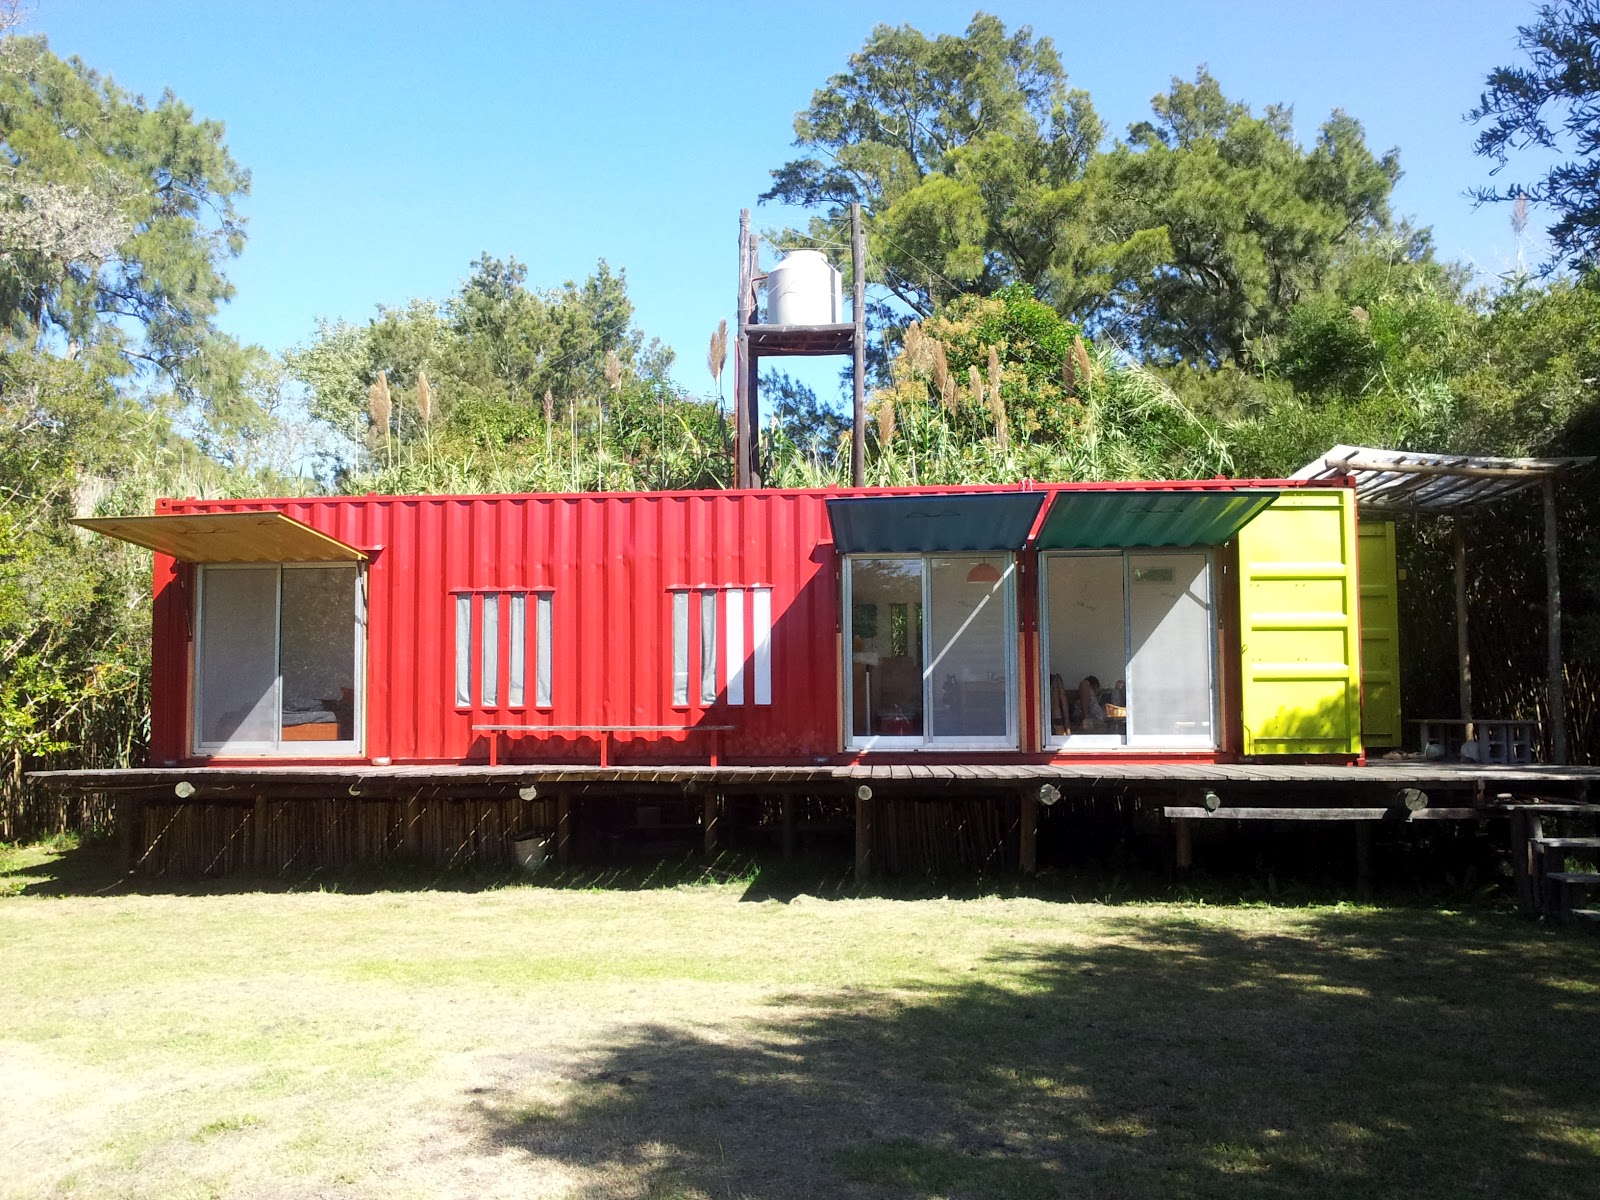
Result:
x=1128 y=641
x=278 y=660
x=932 y=651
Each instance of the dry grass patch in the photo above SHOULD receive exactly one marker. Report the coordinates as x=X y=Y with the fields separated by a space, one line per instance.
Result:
x=691 y=1042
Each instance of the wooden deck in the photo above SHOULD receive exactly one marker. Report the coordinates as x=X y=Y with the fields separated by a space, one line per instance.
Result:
x=1278 y=777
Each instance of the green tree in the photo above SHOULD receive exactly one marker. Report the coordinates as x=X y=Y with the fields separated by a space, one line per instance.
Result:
x=1552 y=103
x=116 y=217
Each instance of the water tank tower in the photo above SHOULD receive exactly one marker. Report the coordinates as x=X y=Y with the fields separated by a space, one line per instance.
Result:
x=804 y=289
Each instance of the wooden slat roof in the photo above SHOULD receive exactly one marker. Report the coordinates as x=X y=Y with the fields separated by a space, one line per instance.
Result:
x=1411 y=481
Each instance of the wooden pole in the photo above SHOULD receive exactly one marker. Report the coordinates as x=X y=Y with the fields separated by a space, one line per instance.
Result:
x=1463 y=649
x=858 y=314
x=1364 y=860
x=752 y=383
x=863 y=832
x=125 y=811
x=1183 y=836
x=563 y=828
x=1028 y=834
x=1552 y=583
x=788 y=826
x=708 y=820
x=741 y=357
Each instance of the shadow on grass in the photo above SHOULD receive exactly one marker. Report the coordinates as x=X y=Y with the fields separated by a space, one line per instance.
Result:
x=93 y=869
x=1360 y=1055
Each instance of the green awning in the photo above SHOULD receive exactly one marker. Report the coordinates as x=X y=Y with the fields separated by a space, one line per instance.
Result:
x=984 y=522
x=1093 y=520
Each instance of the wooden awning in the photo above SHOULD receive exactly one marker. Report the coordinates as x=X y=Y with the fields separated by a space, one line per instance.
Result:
x=241 y=537
x=1407 y=481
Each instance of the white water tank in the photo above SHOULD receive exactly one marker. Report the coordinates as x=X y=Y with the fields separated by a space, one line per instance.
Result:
x=804 y=289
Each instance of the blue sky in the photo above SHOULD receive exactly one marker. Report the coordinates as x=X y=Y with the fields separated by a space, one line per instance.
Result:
x=390 y=143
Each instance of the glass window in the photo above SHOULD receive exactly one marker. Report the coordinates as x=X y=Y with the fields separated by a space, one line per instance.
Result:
x=278 y=658
x=886 y=693
x=543 y=608
x=517 y=668
x=463 y=651
x=680 y=648
x=708 y=648
x=1086 y=644
x=318 y=654
x=237 y=656
x=489 y=681
x=1169 y=636
x=969 y=629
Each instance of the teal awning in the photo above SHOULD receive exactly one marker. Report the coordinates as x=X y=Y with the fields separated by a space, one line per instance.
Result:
x=983 y=522
x=1092 y=520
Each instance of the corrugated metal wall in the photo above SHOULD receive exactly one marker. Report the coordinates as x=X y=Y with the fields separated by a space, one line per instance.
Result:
x=610 y=563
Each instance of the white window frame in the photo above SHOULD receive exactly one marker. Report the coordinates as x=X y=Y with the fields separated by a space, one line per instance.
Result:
x=277 y=747
x=930 y=740
x=1101 y=742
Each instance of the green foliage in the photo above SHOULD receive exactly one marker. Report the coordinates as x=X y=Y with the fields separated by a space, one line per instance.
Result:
x=115 y=219
x=1550 y=104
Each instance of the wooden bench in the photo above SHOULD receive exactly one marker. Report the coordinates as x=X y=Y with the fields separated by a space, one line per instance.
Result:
x=604 y=733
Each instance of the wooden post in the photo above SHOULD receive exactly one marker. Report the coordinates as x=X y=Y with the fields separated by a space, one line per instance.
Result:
x=1364 y=859
x=1463 y=649
x=1525 y=826
x=1552 y=583
x=563 y=828
x=1183 y=838
x=1028 y=834
x=125 y=811
x=858 y=314
x=411 y=836
x=258 y=832
x=741 y=358
x=788 y=827
x=752 y=380
x=708 y=820
x=863 y=832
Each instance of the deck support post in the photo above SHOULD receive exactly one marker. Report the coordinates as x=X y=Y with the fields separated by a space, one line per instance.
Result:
x=1028 y=833
x=258 y=832
x=708 y=819
x=788 y=826
x=125 y=811
x=410 y=835
x=1364 y=859
x=1458 y=537
x=863 y=832
x=1183 y=843
x=563 y=828
x=1552 y=583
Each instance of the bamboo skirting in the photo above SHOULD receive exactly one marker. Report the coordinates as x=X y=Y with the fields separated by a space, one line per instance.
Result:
x=913 y=836
x=216 y=838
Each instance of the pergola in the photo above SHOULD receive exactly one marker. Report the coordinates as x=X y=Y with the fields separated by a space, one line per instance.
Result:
x=1448 y=485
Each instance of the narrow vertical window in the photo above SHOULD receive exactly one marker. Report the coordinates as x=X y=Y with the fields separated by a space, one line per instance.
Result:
x=463 y=650
x=708 y=647
x=541 y=649
x=516 y=689
x=734 y=637
x=680 y=648
x=761 y=620
x=489 y=684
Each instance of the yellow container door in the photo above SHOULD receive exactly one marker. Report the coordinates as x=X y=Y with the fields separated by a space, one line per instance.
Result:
x=1301 y=648
x=1380 y=636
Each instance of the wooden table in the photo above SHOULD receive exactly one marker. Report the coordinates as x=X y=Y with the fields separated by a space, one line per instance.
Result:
x=604 y=738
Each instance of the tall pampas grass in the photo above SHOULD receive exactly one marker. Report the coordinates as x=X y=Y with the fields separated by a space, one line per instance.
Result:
x=943 y=382
x=975 y=383
x=424 y=398
x=380 y=405
x=885 y=417
x=997 y=404
x=717 y=355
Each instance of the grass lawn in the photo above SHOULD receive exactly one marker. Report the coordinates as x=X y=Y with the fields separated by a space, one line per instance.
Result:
x=704 y=1041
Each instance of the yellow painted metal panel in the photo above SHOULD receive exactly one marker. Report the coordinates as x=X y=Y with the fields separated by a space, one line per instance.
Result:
x=250 y=537
x=1380 y=636
x=1300 y=650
